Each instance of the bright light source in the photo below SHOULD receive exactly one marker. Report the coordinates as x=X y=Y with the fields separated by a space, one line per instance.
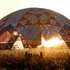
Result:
x=54 y=42
x=15 y=33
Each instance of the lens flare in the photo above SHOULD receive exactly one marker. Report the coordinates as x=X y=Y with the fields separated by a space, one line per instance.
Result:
x=54 y=42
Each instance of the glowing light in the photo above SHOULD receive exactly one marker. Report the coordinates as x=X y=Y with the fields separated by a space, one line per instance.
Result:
x=3 y=42
x=15 y=33
x=39 y=46
x=54 y=42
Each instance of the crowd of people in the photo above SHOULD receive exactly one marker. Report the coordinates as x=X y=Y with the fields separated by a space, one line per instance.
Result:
x=37 y=62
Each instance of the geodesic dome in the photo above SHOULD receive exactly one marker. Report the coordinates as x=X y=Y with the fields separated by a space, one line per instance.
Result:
x=31 y=23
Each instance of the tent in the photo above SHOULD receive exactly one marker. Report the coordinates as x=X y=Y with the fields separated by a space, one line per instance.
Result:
x=6 y=40
x=33 y=23
x=18 y=44
x=54 y=42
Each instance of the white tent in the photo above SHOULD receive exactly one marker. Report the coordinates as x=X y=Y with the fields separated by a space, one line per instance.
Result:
x=18 y=44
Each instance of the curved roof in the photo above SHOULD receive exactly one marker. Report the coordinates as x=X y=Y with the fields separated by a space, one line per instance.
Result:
x=32 y=16
x=35 y=20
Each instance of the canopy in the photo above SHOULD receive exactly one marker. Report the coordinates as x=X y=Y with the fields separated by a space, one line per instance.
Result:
x=31 y=22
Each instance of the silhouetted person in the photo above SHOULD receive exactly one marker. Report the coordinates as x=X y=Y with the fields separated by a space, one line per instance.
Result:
x=26 y=54
x=41 y=54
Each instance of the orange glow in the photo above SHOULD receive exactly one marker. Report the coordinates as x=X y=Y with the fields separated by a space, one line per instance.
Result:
x=54 y=42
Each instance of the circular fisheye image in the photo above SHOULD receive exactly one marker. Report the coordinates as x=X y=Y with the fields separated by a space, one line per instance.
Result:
x=34 y=39
x=32 y=28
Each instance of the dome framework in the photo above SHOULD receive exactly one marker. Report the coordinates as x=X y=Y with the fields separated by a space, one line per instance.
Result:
x=32 y=23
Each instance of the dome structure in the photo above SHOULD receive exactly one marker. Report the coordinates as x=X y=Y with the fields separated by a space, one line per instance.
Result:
x=32 y=23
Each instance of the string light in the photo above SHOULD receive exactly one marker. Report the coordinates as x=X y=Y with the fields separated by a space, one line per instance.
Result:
x=15 y=33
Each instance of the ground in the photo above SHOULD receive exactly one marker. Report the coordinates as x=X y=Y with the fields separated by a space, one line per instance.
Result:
x=26 y=58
